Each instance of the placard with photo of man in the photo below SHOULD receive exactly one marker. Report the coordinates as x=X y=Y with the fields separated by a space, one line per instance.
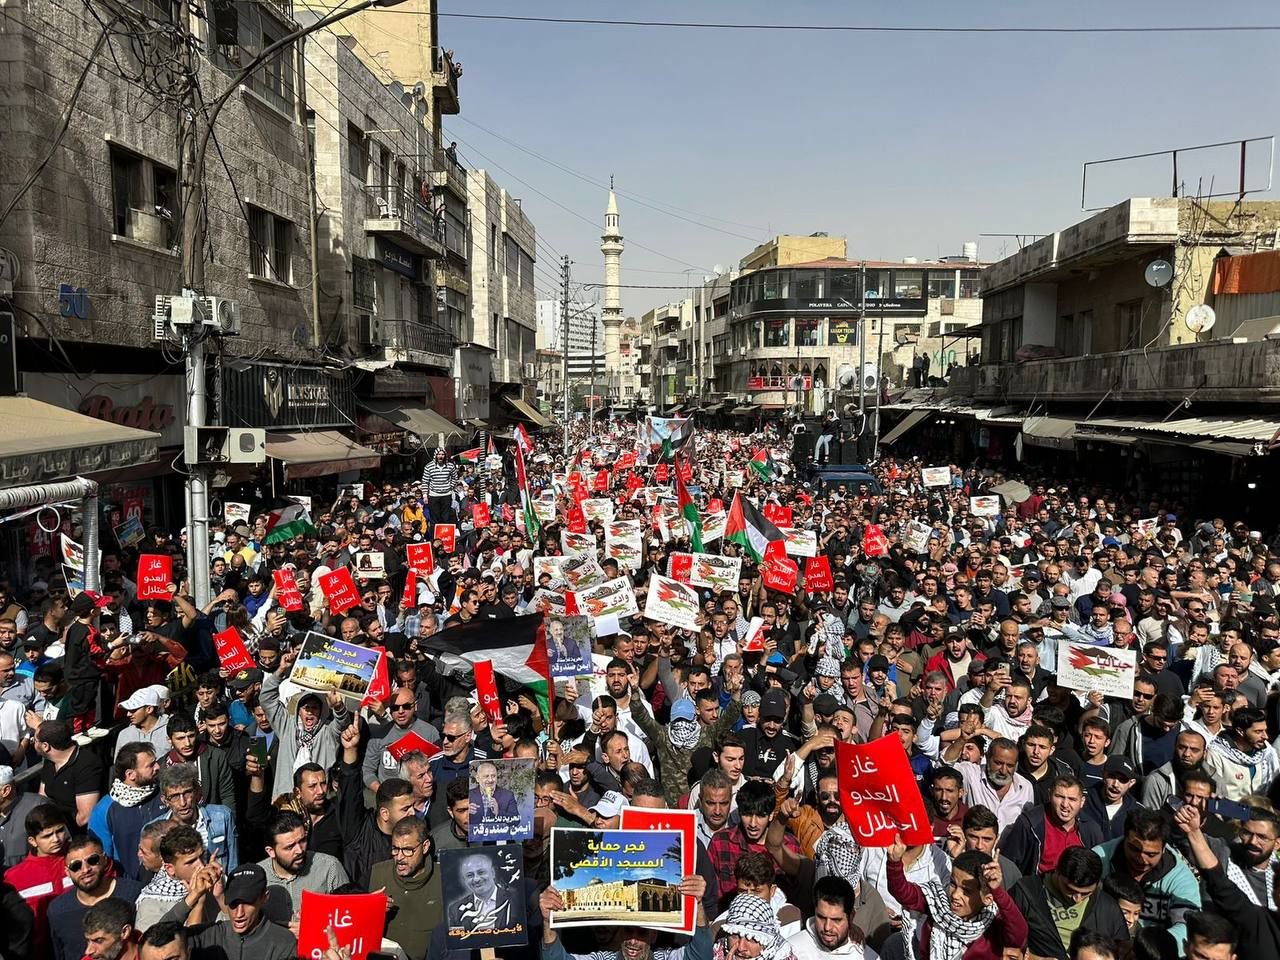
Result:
x=501 y=800
x=484 y=896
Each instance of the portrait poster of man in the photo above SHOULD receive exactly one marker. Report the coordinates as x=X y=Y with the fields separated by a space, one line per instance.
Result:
x=484 y=897
x=627 y=877
x=569 y=646
x=501 y=799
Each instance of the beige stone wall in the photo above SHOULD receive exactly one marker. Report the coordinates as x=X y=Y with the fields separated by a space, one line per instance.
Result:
x=788 y=248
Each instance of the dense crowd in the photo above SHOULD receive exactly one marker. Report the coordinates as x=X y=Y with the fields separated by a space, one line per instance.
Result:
x=154 y=804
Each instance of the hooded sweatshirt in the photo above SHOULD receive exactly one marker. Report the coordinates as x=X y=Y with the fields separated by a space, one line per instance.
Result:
x=323 y=749
x=1170 y=890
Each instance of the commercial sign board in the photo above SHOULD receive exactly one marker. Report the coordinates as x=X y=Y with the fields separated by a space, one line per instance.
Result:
x=282 y=397
x=397 y=258
x=156 y=404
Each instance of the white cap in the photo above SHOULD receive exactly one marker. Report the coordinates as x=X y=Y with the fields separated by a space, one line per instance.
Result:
x=146 y=697
x=162 y=692
x=610 y=804
x=6 y=775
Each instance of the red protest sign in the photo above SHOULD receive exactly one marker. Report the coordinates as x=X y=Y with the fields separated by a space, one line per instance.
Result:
x=575 y=519
x=753 y=642
x=879 y=794
x=817 y=575
x=715 y=505
x=571 y=604
x=480 y=515
x=774 y=550
x=660 y=473
x=339 y=588
x=602 y=481
x=155 y=573
x=380 y=686
x=778 y=514
x=681 y=567
x=682 y=821
x=233 y=655
x=487 y=691
x=874 y=542
x=780 y=574
x=508 y=513
x=357 y=920
x=421 y=559
x=410 y=597
x=409 y=743
x=576 y=483
x=287 y=593
x=447 y=534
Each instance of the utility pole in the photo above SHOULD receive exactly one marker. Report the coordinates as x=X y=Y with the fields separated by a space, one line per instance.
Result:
x=591 y=404
x=862 y=348
x=564 y=338
x=879 y=380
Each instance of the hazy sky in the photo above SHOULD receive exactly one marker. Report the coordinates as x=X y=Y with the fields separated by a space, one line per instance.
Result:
x=909 y=144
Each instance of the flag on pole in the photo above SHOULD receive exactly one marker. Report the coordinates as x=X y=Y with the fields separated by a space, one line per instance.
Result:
x=491 y=449
x=665 y=435
x=689 y=510
x=748 y=527
x=522 y=439
x=531 y=525
x=287 y=522
x=471 y=456
x=762 y=463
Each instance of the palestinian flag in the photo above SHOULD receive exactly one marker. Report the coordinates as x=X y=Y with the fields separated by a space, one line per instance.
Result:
x=517 y=646
x=665 y=436
x=522 y=439
x=531 y=525
x=689 y=510
x=762 y=463
x=748 y=527
x=287 y=522
x=492 y=449
x=471 y=456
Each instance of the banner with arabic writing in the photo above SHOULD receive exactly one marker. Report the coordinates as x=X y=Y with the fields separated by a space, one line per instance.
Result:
x=879 y=794
x=617 y=877
x=484 y=896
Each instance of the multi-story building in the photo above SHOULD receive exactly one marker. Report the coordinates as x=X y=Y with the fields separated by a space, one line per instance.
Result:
x=585 y=338
x=661 y=329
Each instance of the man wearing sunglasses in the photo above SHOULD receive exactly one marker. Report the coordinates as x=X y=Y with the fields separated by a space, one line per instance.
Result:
x=394 y=720
x=88 y=868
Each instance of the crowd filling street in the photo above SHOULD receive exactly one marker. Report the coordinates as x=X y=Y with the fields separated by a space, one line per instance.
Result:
x=1082 y=688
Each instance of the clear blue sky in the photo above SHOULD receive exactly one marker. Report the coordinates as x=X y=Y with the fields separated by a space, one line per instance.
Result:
x=909 y=144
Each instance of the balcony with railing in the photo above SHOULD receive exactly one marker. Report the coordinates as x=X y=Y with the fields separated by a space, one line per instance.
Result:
x=402 y=217
x=444 y=79
x=417 y=341
x=448 y=173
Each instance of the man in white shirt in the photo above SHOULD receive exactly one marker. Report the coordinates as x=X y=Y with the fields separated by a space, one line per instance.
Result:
x=996 y=784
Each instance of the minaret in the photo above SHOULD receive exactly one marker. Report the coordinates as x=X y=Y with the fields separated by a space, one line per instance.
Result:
x=611 y=314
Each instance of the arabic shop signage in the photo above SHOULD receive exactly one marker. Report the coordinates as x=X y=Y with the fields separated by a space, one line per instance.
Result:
x=152 y=403
x=278 y=396
x=398 y=259
x=54 y=464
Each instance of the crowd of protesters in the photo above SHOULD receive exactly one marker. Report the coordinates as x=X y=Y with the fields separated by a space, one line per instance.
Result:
x=154 y=805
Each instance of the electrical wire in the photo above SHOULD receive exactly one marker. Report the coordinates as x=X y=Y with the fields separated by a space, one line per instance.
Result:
x=859 y=28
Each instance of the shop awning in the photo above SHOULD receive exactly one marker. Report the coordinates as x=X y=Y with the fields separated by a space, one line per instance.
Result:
x=422 y=420
x=746 y=410
x=40 y=441
x=319 y=453
x=526 y=412
x=912 y=419
x=1051 y=432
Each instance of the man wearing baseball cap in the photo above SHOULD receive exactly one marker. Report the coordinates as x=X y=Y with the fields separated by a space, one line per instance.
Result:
x=247 y=932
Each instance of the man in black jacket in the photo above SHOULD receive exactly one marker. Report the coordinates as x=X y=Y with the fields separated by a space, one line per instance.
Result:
x=367 y=833
x=1042 y=835
x=1113 y=794
x=1068 y=897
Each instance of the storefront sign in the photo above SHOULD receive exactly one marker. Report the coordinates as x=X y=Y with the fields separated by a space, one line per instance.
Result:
x=282 y=397
x=398 y=259
x=53 y=464
x=155 y=404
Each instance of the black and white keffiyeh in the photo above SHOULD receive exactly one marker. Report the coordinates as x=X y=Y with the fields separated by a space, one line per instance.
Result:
x=1236 y=874
x=837 y=853
x=950 y=936
x=754 y=919
x=683 y=733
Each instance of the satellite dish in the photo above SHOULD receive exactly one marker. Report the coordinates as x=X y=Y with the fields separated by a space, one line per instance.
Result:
x=419 y=89
x=845 y=375
x=1158 y=273
x=1201 y=318
x=870 y=376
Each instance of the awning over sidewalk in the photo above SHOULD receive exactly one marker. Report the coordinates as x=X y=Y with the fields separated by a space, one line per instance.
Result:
x=1051 y=432
x=40 y=441
x=418 y=419
x=526 y=412
x=319 y=453
x=745 y=410
x=912 y=419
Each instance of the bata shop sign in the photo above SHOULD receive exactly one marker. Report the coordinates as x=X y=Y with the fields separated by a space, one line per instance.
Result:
x=154 y=404
x=277 y=396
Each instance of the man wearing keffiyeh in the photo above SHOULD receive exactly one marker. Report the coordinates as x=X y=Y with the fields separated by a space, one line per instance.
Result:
x=972 y=918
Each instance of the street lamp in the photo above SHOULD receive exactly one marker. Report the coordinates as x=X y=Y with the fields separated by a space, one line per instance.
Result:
x=191 y=210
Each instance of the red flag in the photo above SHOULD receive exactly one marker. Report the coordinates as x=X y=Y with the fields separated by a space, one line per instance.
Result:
x=380 y=686
x=421 y=559
x=287 y=593
x=487 y=691
x=233 y=655
x=879 y=794
x=360 y=929
x=155 y=573
x=817 y=575
x=447 y=534
x=480 y=515
x=339 y=587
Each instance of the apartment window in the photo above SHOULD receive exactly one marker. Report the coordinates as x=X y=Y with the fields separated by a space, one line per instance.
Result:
x=771 y=287
x=907 y=285
x=243 y=30
x=1129 y=324
x=363 y=284
x=970 y=284
x=807 y=332
x=942 y=286
x=143 y=196
x=808 y=285
x=270 y=246
x=526 y=271
x=844 y=285
x=511 y=257
x=357 y=155
x=493 y=244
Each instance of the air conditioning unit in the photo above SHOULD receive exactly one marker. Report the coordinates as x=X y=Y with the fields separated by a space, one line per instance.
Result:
x=222 y=314
x=246 y=445
x=870 y=376
x=531 y=371
x=215 y=445
x=371 y=331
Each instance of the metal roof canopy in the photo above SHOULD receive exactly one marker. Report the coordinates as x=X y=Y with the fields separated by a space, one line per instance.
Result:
x=1252 y=430
x=912 y=419
x=417 y=419
x=1051 y=432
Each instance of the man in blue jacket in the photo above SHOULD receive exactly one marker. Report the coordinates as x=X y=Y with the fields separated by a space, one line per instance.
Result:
x=180 y=793
x=1170 y=890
